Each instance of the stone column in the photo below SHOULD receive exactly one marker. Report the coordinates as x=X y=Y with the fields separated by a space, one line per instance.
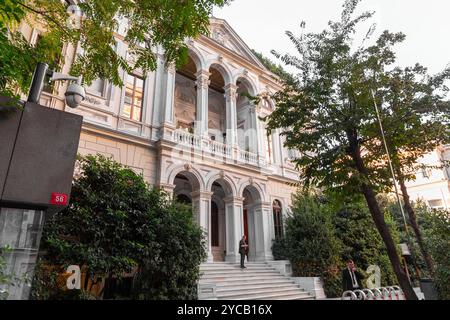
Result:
x=231 y=115
x=202 y=83
x=276 y=147
x=234 y=227
x=158 y=103
x=263 y=235
x=201 y=201
x=167 y=121
x=257 y=131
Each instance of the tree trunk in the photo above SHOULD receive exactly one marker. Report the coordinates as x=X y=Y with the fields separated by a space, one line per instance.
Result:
x=383 y=229
x=378 y=218
x=415 y=226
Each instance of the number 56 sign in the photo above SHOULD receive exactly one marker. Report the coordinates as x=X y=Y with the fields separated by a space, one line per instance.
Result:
x=59 y=199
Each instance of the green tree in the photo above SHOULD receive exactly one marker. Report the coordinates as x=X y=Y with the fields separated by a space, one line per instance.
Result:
x=116 y=224
x=6 y=278
x=416 y=120
x=436 y=229
x=277 y=69
x=360 y=240
x=175 y=272
x=310 y=242
x=151 y=24
x=327 y=114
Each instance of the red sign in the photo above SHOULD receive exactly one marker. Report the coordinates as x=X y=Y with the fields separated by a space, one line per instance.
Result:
x=59 y=199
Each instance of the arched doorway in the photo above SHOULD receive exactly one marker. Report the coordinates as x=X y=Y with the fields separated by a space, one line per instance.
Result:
x=186 y=183
x=220 y=191
x=252 y=223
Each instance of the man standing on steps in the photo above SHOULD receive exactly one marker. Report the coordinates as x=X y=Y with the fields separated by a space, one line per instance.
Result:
x=242 y=249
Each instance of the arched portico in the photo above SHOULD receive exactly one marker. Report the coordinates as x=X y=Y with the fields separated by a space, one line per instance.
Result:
x=256 y=224
x=221 y=189
x=189 y=187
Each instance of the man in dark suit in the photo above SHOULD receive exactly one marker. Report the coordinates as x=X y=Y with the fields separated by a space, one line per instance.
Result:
x=243 y=249
x=351 y=279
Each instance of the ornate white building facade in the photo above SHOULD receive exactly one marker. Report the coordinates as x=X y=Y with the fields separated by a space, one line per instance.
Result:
x=195 y=132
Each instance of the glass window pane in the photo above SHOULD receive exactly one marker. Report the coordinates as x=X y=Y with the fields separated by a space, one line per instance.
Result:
x=133 y=97
x=137 y=101
x=137 y=114
x=130 y=80
x=139 y=84
x=128 y=99
x=127 y=110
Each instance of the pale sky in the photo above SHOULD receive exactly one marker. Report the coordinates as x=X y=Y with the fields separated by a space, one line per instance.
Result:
x=262 y=25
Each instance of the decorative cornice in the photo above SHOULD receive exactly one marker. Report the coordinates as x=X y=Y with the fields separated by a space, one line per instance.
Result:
x=202 y=194
x=230 y=92
x=235 y=200
x=203 y=81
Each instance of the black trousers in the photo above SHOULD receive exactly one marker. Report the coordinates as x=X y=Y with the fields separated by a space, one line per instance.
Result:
x=242 y=259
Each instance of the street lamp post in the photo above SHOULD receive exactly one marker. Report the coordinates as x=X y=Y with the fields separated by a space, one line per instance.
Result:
x=394 y=182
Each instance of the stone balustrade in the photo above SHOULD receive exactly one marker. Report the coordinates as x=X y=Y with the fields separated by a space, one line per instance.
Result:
x=217 y=149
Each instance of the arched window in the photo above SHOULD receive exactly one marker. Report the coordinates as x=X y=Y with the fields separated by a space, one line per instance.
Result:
x=277 y=219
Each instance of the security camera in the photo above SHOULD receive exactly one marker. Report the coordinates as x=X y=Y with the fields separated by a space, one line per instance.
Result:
x=75 y=94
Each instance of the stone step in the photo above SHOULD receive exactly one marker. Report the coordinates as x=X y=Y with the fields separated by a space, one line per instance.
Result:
x=259 y=281
x=266 y=282
x=236 y=281
x=257 y=293
x=292 y=295
x=235 y=267
x=248 y=265
x=257 y=286
x=241 y=275
x=252 y=263
x=237 y=271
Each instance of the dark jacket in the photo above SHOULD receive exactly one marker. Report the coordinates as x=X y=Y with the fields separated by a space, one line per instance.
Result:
x=242 y=249
x=347 y=280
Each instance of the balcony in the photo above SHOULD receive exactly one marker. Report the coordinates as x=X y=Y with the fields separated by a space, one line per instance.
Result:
x=217 y=150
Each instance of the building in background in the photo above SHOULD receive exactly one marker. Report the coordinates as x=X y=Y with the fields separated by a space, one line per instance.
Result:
x=194 y=132
x=432 y=185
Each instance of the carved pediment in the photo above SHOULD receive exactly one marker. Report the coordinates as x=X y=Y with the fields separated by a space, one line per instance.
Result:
x=222 y=32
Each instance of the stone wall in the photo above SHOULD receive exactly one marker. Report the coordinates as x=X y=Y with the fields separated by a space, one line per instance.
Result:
x=141 y=159
x=281 y=191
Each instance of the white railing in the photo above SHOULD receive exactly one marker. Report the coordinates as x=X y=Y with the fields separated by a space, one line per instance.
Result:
x=217 y=148
x=187 y=139
x=248 y=157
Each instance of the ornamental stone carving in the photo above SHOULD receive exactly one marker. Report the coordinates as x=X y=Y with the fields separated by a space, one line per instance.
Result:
x=203 y=81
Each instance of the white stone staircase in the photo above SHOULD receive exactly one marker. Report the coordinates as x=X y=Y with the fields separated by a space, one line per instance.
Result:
x=259 y=281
